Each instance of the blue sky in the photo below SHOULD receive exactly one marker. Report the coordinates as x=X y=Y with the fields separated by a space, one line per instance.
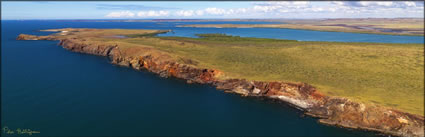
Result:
x=208 y=9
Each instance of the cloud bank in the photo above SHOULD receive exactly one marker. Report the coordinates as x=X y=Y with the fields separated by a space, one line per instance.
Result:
x=128 y=7
x=294 y=9
x=121 y=14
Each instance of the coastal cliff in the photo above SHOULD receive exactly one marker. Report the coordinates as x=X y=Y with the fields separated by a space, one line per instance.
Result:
x=330 y=110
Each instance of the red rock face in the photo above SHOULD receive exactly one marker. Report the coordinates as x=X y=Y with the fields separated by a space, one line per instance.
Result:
x=32 y=37
x=207 y=75
x=73 y=45
x=331 y=110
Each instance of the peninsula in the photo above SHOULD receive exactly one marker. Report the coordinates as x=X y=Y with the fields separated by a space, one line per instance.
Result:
x=370 y=86
x=400 y=26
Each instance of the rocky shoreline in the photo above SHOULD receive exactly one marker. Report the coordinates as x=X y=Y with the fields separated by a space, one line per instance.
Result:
x=330 y=110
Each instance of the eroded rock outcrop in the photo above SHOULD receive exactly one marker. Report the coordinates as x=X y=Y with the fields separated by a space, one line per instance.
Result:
x=330 y=110
x=32 y=37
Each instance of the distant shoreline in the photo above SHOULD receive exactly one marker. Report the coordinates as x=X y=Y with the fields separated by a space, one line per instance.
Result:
x=384 y=26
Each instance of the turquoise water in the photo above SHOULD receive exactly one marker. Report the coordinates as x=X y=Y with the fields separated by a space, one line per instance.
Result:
x=293 y=34
x=60 y=93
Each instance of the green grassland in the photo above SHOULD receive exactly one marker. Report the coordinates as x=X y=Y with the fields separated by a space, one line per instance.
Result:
x=391 y=75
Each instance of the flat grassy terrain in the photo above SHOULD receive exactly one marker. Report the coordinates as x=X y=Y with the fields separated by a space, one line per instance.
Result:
x=410 y=26
x=391 y=75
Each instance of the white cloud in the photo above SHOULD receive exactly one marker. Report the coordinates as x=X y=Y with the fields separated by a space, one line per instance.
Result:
x=283 y=10
x=199 y=12
x=300 y=3
x=317 y=9
x=380 y=4
x=410 y=4
x=216 y=11
x=380 y=8
x=210 y=11
x=294 y=9
x=364 y=3
x=332 y=9
x=284 y=6
x=152 y=13
x=372 y=3
x=385 y=3
x=338 y=2
x=185 y=13
x=242 y=10
x=120 y=14
x=340 y=9
x=266 y=8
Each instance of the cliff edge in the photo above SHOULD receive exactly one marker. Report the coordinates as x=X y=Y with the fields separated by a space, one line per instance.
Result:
x=330 y=110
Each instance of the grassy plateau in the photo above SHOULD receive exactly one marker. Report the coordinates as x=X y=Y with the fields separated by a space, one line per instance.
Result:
x=390 y=75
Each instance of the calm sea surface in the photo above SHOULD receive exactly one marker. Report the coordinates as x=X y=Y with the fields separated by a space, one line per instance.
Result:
x=60 y=93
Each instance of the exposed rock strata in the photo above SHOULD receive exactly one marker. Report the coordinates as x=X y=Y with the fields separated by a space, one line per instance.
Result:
x=330 y=110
